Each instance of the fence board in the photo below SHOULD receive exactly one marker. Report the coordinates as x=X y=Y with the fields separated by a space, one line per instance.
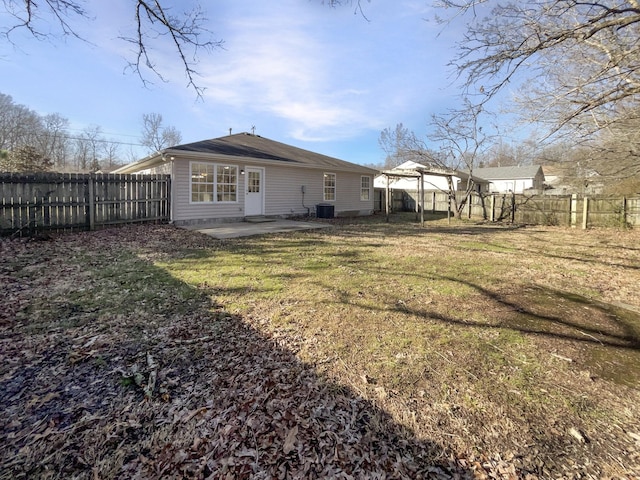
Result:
x=600 y=211
x=54 y=201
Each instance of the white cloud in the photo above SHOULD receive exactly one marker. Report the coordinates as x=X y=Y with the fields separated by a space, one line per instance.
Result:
x=292 y=69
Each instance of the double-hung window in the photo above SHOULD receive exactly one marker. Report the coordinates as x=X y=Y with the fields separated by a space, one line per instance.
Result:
x=329 y=187
x=365 y=188
x=213 y=183
x=227 y=183
x=202 y=182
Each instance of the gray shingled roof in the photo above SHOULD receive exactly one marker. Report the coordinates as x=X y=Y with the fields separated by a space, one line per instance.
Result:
x=246 y=145
x=254 y=147
x=507 y=173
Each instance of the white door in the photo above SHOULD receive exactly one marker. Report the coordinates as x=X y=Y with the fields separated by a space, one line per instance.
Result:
x=254 y=192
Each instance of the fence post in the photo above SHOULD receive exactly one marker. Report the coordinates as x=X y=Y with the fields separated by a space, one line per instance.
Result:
x=585 y=212
x=574 y=210
x=513 y=207
x=493 y=208
x=624 y=212
x=92 y=203
x=387 y=199
x=421 y=199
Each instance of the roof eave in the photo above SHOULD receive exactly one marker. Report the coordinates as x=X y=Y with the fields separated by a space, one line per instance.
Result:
x=147 y=162
x=181 y=154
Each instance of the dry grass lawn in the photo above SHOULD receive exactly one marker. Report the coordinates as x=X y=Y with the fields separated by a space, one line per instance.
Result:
x=365 y=350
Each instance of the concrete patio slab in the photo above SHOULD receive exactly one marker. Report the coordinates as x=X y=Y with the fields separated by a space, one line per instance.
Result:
x=246 y=229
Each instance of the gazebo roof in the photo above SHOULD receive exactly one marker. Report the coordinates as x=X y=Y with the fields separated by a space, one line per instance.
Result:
x=417 y=172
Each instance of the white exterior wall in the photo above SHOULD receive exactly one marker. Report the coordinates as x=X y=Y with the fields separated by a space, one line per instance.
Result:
x=283 y=190
x=282 y=193
x=515 y=185
x=182 y=207
x=348 y=194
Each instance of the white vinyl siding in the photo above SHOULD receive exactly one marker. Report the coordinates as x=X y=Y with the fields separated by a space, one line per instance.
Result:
x=515 y=186
x=185 y=209
x=329 y=189
x=282 y=193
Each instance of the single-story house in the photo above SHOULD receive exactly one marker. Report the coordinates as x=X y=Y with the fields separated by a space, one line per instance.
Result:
x=516 y=179
x=433 y=182
x=245 y=175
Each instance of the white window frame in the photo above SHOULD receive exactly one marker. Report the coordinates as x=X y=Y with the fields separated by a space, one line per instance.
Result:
x=326 y=188
x=234 y=186
x=211 y=183
x=364 y=189
x=214 y=183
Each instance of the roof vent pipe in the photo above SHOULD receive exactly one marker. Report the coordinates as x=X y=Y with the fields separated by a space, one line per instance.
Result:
x=229 y=132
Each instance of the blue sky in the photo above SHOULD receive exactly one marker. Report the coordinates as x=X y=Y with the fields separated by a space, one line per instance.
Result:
x=302 y=73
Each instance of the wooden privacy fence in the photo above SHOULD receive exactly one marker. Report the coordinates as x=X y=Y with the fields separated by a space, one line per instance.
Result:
x=67 y=201
x=565 y=210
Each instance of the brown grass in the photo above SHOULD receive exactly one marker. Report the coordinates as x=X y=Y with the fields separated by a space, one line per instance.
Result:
x=367 y=349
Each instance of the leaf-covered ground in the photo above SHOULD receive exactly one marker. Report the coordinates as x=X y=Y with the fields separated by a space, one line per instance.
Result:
x=368 y=350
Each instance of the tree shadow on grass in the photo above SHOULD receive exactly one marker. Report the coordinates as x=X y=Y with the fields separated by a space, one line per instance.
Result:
x=611 y=333
x=187 y=393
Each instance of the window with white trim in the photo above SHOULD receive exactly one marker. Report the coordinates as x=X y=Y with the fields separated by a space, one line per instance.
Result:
x=213 y=183
x=202 y=182
x=329 y=187
x=227 y=183
x=365 y=188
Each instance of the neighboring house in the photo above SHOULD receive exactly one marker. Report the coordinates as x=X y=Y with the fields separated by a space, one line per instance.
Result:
x=243 y=175
x=513 y=179
x=556 y=181
x=567 y=179
x=431 y=182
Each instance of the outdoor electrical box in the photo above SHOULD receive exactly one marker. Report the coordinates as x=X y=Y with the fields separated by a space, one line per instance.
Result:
x=303 y=189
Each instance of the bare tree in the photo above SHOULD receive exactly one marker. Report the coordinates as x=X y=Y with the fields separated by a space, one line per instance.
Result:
x=581 y=58
x=356 y=4
x=111 y=154
x=155 y=23
x=19 y=125
x=81 y=154
x=614 y=156
x=155 y=136
x=87 y=148
x=53 y=139
x=504 y=154
x=401 y=145
x=463 y=142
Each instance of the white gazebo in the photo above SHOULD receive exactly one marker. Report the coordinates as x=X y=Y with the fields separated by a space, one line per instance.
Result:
x=418 y=172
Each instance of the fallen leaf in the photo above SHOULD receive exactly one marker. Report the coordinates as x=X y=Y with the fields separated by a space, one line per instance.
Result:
x=575 y=433
x=290 y=440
